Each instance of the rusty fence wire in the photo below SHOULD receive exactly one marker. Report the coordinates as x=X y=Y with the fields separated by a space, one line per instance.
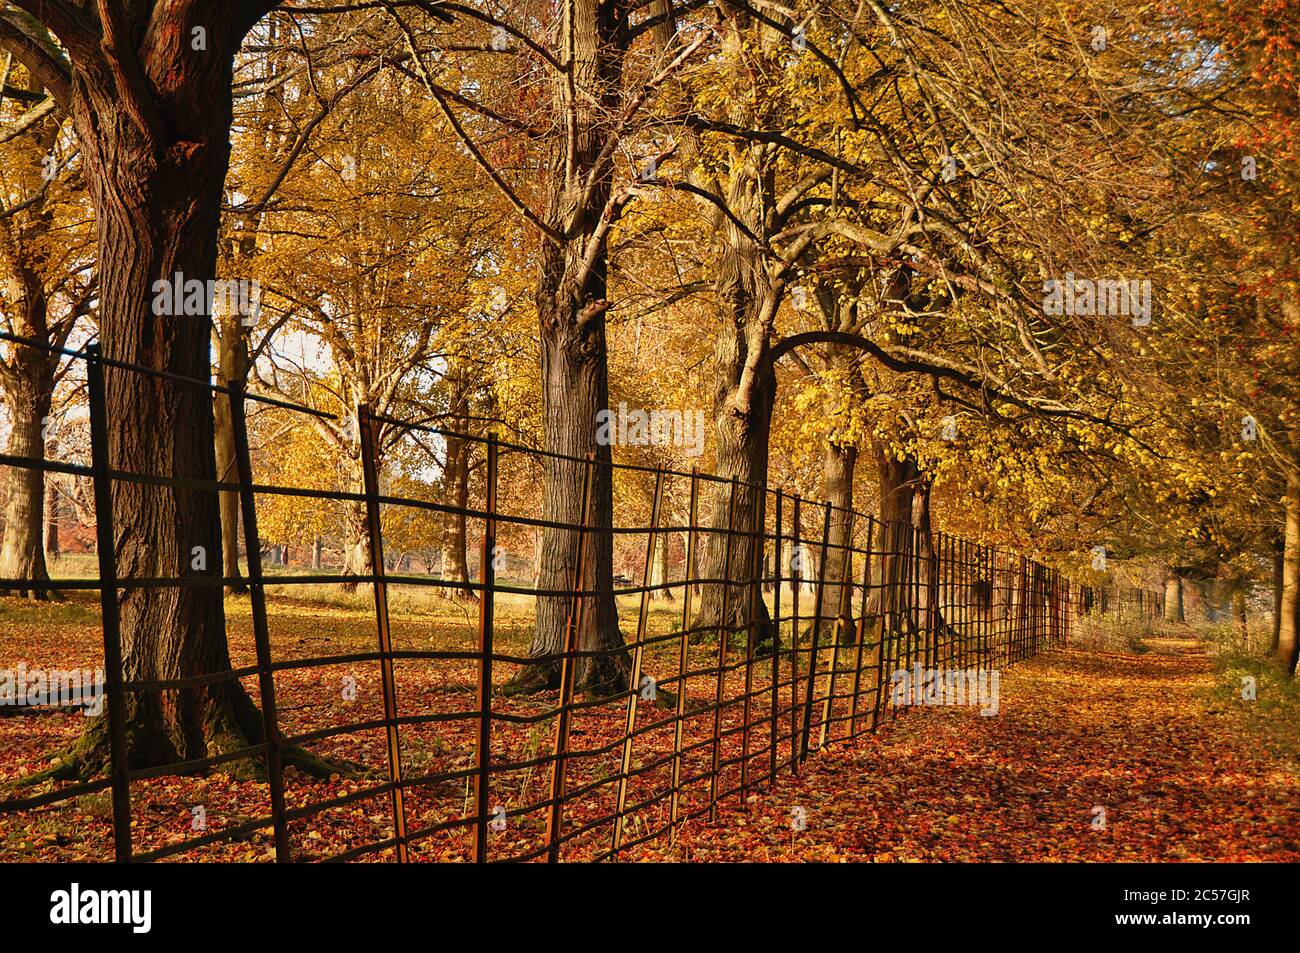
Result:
x=823 y=624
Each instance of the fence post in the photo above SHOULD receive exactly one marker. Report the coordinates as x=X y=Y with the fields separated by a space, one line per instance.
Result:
x=375 y=538
x=1027 y=570
x=986 y=568
x=758 y=526
x=946 y=638
x=568 y=674
x=724 y=635
x=960 y=593
x=900 y=607
x=1008 y=620
x=776 y=637
x=261 y=630
x=846 y=577
x=912 y=602
x=932 y=646
x=796 y=583
x=110 y=615
x=1021 y=592
x=1013 y=609
x=884 y=615
x=683 y=650
x=643 y=617
x=861 y=630
x=1041 y=587
x=1021 y=609
x=1049 y=606
x=1035 y=607
x=991 y=659
x=1058 y=599
x=486 y=608
x=818 y=605
x=979 y=617
x=1067 y=606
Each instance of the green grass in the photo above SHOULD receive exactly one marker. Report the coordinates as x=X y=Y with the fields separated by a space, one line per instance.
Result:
x=77 y=608
x=1269 y=720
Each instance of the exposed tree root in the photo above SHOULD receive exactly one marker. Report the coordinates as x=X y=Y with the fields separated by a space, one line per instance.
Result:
x=232 y=728
x=602 y=677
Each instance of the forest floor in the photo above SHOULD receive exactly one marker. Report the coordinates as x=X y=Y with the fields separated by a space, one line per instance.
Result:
x=1151 y=729
x=1150 y=754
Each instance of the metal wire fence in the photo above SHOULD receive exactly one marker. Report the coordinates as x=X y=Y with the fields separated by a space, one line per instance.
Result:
x=832 y=622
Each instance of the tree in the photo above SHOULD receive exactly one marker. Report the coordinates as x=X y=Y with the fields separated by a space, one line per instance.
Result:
x=46 y=290
x=592 y=106
x=372 y=254
x=148 y=87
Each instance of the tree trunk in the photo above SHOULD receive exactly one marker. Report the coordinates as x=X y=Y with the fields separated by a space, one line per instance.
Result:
x=356 y=541
x=317 y=551
x=659 y=575
x=52 y=547
x=1278 y=564
x=927 y=574
x=27 y=383
x=571 y=300
x=455 y=534
x=356 y=523
x=1288 y=644
x=1239 y=588
x=157 y=198
x=575 y=389
x=744 y=395
x=837 y=601
x=897 y=481
x=232 y=368
x=693 y=570
x=22 y=555
x=1173 y=598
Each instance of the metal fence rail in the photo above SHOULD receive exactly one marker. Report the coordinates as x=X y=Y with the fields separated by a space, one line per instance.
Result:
x=732 y=704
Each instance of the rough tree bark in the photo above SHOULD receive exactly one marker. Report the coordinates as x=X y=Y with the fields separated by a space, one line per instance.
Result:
x=356 y=527
x=356 y=549
x=1278 y=562
x=27 y=398
x=571 y=303
x=745 y=392
x=897 y=480
x=455 y=529
x=456 y=494
x=232 y=368
x=152 y=114
x=839 y=464
x=27 y=380
x=53 y=548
